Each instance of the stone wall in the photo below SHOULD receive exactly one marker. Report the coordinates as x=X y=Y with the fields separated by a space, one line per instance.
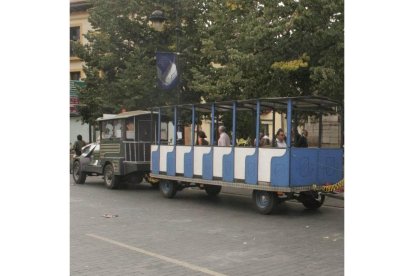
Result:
x=331 y=131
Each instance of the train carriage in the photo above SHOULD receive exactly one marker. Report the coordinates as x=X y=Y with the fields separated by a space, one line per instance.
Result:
x=273 y=174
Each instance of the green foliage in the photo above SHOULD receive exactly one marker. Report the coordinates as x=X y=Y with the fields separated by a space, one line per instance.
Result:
x=230 y=49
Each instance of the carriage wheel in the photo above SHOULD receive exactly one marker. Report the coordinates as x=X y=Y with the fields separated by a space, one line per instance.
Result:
x=168 y=188
x=264 y=201
x=311 y=200
x=212 y=190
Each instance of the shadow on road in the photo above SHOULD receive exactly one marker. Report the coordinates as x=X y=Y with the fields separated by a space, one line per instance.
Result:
x=194 y=198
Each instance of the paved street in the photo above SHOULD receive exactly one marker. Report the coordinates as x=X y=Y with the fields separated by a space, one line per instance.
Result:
x=194 y=235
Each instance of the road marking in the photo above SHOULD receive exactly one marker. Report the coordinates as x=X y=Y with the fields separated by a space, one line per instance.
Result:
x=161 y=257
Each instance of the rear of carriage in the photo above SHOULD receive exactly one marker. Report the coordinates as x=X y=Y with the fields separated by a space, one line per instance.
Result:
x=274 y=174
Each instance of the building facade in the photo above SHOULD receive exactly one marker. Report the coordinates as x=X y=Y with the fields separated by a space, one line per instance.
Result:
x=79 y=25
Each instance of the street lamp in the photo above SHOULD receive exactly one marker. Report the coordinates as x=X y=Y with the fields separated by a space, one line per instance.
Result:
x=167 y=63
x=157 y=20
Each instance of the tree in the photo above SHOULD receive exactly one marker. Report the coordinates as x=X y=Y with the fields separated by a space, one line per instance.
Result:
x=120 y=56
x=230 y=49
x=267 y=48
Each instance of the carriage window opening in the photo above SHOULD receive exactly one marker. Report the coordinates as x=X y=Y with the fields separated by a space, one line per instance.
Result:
x=130 y=129
x=144 y=128
x=107 y=130
x=167 y=126
x=202 y=131
x=118 y=128
x=245 y=126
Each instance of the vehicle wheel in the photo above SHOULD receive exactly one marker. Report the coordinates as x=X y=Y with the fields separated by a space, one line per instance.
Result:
x=77 y=174
x=311 y=200
x=168 y=188
x=212 y=190
x=264 y=201
x=112 y=181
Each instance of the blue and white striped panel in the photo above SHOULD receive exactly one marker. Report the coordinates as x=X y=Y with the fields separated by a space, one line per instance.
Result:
x=265 y=158
x=163 y=157
x=180 y=151
x=240 y=160
x=198 y=159
x=218 y=154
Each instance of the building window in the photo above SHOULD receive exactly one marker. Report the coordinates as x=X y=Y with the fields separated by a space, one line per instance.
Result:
x=75 y=75
x=74 y=36
x=265 y=129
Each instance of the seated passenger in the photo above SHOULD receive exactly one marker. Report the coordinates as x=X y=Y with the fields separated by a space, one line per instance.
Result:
x=303 y=140
x=109 y=131
x=294 y=136
x=260 y=139
x=202 y=138
x=130 y=126
x=118 y=130
x=130 y=132
x=265 y=141
x=280 y=139
x=224 y=139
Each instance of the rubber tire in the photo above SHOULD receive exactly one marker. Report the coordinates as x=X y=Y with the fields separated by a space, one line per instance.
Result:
x=264 y=201
x=168 y=188
x=114 y=181
x=77 y=171
x=310 y=200
x=212 y=190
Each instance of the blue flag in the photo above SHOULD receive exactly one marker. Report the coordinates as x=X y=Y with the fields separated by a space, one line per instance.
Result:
x=167 y=70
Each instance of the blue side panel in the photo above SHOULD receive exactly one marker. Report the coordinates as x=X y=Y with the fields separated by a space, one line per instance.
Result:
x=330 y=166
x=250 y=172
x=171 y=163
x=303 y=166
x=208 y=165
x=228 y=166
x=155 y=161
x=279 y=170
x=188 y=163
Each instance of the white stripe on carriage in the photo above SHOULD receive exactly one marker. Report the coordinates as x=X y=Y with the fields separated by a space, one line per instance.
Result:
x=265 y=160
x=198 y=159
x=154 y=148
x=179 y=159
x=240 y=158
x=218 y=160
x=163 y=157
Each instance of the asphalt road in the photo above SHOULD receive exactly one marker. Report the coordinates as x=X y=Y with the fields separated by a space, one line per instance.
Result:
x=146 y=234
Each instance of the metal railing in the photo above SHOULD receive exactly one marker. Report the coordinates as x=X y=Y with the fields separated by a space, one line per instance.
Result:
x=137 y=151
